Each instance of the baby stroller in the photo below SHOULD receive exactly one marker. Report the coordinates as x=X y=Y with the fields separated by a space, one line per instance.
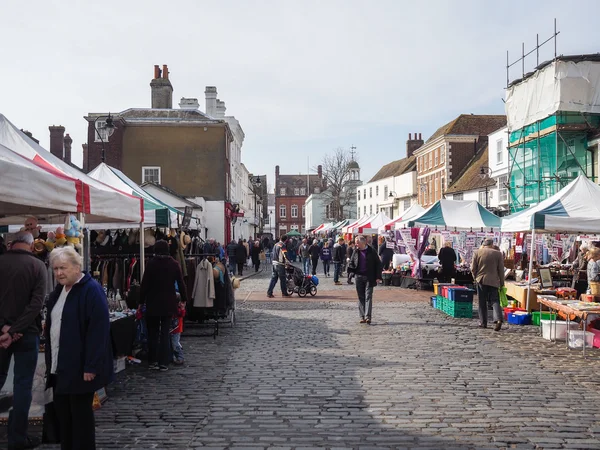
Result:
x=299 y=283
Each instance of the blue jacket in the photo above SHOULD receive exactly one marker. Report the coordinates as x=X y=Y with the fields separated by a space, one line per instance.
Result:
x=85 y=344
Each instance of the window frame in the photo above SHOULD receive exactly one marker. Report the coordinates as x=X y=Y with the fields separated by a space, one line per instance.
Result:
x=296 y=191
x=292 y=209
x=282 y=192
x=144 y=168
x=303 y=210
x=99 y=129
x=458 y=196
x=499 y=151
x=282 y=208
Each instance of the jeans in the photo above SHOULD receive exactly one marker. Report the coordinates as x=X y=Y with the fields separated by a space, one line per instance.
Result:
x=232 y=265
x=176 y=347
x=337 y=271
x=76 y=421
x=278 y=273
x=488 y=294
x=25 y=351
x=365 y=296
x=159 y=340
x=306 y=264
x=326 y=267
x=315 y=262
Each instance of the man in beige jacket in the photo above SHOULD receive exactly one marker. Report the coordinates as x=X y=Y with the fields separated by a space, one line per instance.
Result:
x=488 y=273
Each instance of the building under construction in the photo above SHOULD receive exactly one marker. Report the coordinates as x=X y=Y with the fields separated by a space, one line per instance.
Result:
x=553 y=117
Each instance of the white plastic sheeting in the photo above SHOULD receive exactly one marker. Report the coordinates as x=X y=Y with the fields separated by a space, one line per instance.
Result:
x=574 y=209
x=560 y=86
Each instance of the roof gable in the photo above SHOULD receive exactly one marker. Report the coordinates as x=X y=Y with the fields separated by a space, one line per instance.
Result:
x=470 y=125
x=469 y=179
x=395 y=168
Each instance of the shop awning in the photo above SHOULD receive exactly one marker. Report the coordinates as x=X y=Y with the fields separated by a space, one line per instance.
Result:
x=454 y=214
x=156 y=212
x=574 y=209
x=99 y=202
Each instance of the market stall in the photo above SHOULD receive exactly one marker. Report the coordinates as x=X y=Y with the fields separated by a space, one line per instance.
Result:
x=370 y=225
x=413 y=211
x=575 y=209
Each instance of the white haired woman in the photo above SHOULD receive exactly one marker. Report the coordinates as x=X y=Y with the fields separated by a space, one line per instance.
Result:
x=78 y=348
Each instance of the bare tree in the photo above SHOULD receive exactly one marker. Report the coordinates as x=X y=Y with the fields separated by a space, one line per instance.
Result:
x=337 y=175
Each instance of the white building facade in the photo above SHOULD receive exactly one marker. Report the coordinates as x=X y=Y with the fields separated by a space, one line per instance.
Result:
x=498 y=168
x=315 y=211
x=393 y=195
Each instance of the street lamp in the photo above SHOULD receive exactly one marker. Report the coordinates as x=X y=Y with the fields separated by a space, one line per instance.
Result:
x=109 y=127
x=393 y=196
x=256 y=183
x=485 y=172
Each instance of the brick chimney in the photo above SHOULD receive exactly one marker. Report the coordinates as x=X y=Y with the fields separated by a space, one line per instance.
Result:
x=413 y=144
x=320 y=171
x=85 y=167
x=210 y=96
x=161 y=89
x=57 y=141
x=68 y=141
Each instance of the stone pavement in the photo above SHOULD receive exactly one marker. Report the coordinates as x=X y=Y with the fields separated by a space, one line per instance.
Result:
x=305 y=374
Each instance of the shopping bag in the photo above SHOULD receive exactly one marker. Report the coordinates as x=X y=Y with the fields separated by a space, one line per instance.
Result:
x=503 y=297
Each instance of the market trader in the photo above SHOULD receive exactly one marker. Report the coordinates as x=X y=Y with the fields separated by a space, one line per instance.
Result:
x=279 y=262
x=21 y=299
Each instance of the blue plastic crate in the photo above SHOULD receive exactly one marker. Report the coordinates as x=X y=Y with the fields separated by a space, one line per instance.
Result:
x=461 y=294
x=519 y=319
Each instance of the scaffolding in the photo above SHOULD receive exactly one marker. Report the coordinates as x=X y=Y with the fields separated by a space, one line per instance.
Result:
x=548 y=154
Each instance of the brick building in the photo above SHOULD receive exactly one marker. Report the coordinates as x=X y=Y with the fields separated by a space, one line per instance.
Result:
x=449 y=150
x=60 y=144
x=183 y=149
x=291 y=192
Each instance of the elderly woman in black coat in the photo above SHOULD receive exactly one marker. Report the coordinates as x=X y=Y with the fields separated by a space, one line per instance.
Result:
x=158 y=293
x=78 y=350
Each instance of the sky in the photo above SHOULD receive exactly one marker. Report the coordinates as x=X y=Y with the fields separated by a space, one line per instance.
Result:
x=303 y=78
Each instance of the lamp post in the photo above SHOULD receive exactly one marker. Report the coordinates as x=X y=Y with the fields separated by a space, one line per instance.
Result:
x=392 y=195
x=256 y=183
x=485 y=172
x=109 y=127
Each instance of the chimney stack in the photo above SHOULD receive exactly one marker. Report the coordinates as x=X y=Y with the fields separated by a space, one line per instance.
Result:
x=320 y=171
x=57 y=141
x=189 y=103
x=413 y=145
x=220 y=109
x=210 y=96
x=161 y=89
x=68 y=141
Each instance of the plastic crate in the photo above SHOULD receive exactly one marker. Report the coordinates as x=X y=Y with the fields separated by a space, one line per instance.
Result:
x=459 y=309
x=461 y=294
x=433 y=300
x=437 y=287
x=535 y=317
x=507 y=311
x=439 y=302
x=446 y=287
x=576 y=338
x=519 y=319
x=548 y=329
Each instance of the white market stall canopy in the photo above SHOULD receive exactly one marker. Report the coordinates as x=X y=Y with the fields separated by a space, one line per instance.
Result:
x=156 y=212
x=99 y=202
x=324 y=227
x=413 y=211
x=27 y=189
x=371 y=225
x=454 y=214
x=574 y=209
x=348 y=228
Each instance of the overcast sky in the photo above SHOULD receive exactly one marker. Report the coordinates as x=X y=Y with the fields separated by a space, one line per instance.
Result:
x=302 y=77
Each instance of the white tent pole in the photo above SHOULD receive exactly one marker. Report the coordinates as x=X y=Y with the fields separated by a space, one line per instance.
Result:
x=142 y=251
x=530 y=266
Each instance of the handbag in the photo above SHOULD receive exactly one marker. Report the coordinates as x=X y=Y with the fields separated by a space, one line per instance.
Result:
x=503 y=297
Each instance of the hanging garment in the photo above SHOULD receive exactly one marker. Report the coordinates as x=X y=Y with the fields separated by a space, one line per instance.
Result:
x=204 y=286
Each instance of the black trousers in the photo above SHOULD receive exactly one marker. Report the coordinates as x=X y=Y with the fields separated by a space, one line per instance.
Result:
x=76 y=421
x=159 y=339
x=241 y=268
x=315 y=262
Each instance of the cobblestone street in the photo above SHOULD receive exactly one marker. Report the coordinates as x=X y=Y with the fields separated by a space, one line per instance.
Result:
x=305 y=374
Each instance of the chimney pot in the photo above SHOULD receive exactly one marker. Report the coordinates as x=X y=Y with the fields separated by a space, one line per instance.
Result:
x=165 y=73
x=156 y=71
x=420 y=138
x=409 y=136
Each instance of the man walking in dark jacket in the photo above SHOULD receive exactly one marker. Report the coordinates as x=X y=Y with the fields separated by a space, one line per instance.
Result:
x=232 y=249
x=314 y=252
x=365 y=263
x=21 y=298
x=339 y=257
